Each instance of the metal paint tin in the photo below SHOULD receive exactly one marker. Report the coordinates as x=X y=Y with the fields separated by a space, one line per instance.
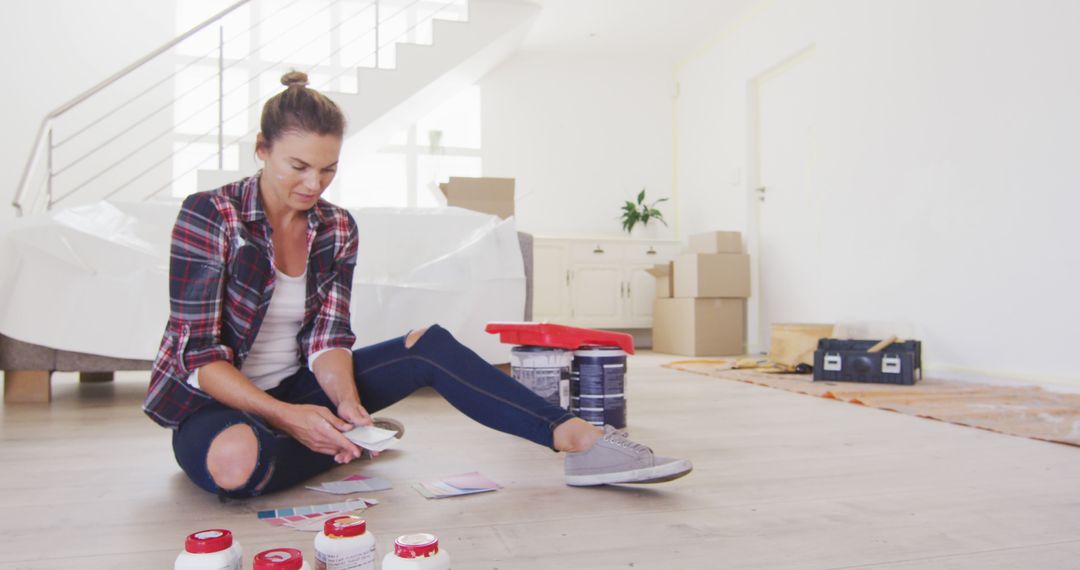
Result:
x=545 y=371
x=598 y=375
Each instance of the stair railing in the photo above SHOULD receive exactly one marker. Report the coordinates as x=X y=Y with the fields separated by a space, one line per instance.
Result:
x=126 y=145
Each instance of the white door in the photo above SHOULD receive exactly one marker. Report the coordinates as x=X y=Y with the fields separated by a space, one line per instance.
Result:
x=787 y=196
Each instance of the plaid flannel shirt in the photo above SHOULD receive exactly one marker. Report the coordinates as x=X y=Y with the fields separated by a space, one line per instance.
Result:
x=220 y=283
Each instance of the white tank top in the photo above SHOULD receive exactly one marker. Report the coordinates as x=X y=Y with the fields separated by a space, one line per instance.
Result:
x=275 y=354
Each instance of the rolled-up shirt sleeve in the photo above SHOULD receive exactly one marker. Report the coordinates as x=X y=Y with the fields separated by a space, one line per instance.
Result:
x=196 y=283
x=331 y=327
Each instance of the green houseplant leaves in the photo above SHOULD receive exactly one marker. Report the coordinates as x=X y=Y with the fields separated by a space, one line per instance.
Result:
x=632 y=213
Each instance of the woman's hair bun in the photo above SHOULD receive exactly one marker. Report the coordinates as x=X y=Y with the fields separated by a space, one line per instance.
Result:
x=297 y=78
x=299 y=108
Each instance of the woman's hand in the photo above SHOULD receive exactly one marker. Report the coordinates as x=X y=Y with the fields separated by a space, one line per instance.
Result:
x=320 y=430
x=354 y=413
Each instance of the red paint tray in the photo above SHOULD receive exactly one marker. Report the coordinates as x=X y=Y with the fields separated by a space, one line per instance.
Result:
x=558 y=336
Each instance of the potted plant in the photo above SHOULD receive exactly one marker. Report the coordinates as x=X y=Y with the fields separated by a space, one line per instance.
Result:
x=632 y=213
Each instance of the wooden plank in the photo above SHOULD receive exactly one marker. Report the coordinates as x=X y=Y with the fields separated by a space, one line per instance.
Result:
x=27 y=386
x=882 y=345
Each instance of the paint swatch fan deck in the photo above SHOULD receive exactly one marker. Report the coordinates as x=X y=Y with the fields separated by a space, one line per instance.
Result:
x=372 y=438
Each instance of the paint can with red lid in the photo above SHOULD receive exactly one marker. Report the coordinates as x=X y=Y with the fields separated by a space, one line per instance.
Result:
x=212 y=549
x=345 y=544
x=280 y=559
x=417 y=552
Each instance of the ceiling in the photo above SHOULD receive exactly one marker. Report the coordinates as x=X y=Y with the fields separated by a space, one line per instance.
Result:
x=668 y=29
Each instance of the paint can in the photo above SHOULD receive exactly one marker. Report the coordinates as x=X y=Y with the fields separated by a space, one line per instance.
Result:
x=417 y=552
x=280 y=559
x=213 y=549
x=545 y=371
x=345 y=544
x=597 y=385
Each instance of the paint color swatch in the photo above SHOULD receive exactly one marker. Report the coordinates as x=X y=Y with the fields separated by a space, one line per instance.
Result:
x=353 y=484
x=456 y=485
x=315 y=524
x=280 y=517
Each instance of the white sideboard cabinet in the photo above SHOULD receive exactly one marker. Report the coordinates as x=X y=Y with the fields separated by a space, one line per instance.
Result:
x=599 y=283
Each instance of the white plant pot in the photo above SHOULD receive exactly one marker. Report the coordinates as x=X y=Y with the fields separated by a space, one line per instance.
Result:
x=650 y=231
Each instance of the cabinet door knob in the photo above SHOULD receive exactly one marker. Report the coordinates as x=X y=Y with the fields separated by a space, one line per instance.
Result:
x=598 y=249
x=651 y=251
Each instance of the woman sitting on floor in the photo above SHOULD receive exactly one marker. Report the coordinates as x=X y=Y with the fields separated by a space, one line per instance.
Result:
x=256 y=374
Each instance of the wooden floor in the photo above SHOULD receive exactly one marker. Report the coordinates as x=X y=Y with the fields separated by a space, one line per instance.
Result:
x=781 y=481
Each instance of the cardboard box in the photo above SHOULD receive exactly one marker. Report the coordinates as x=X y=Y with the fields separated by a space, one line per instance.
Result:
x=487 y=195
x=716 y=242
x=662 y=273
x=699 y=327
x=794 y=344
x=711 y=275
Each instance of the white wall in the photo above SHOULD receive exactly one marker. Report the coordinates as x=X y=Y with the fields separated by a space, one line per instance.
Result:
x=580 y=135
x=56 y=49
x=947 y=137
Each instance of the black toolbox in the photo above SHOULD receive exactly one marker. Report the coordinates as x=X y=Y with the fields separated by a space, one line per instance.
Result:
x=837 y=360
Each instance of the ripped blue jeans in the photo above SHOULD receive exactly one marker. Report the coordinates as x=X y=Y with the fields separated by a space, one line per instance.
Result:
x=385 y=373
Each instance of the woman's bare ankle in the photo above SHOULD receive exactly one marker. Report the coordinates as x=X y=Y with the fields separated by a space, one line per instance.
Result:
x=576 y=435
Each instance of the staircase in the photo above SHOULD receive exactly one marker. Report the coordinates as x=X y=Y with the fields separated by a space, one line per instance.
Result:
x=184 y=118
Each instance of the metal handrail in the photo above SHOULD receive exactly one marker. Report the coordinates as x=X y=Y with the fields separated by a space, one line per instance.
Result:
x=229 y=118
x=52 y=116
x=169 y=131
x=32 y=170
x=198 y=165
x=160 y=109
x=165 y=80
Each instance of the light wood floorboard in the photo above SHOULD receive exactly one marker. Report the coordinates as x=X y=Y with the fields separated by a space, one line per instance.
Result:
x=781 y=481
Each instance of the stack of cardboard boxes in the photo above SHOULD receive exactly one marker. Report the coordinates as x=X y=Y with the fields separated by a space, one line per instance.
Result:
x=701 y=298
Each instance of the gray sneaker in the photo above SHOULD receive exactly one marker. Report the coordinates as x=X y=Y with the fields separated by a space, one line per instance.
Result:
x=616 y=459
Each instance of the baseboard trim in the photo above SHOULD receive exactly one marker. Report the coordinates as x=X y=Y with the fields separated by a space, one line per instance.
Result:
x=1000 y=377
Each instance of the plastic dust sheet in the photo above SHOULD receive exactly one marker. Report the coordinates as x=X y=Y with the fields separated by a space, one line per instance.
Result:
x=94 y=278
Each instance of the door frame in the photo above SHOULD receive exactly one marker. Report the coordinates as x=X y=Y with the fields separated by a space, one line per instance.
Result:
x=755 y=333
